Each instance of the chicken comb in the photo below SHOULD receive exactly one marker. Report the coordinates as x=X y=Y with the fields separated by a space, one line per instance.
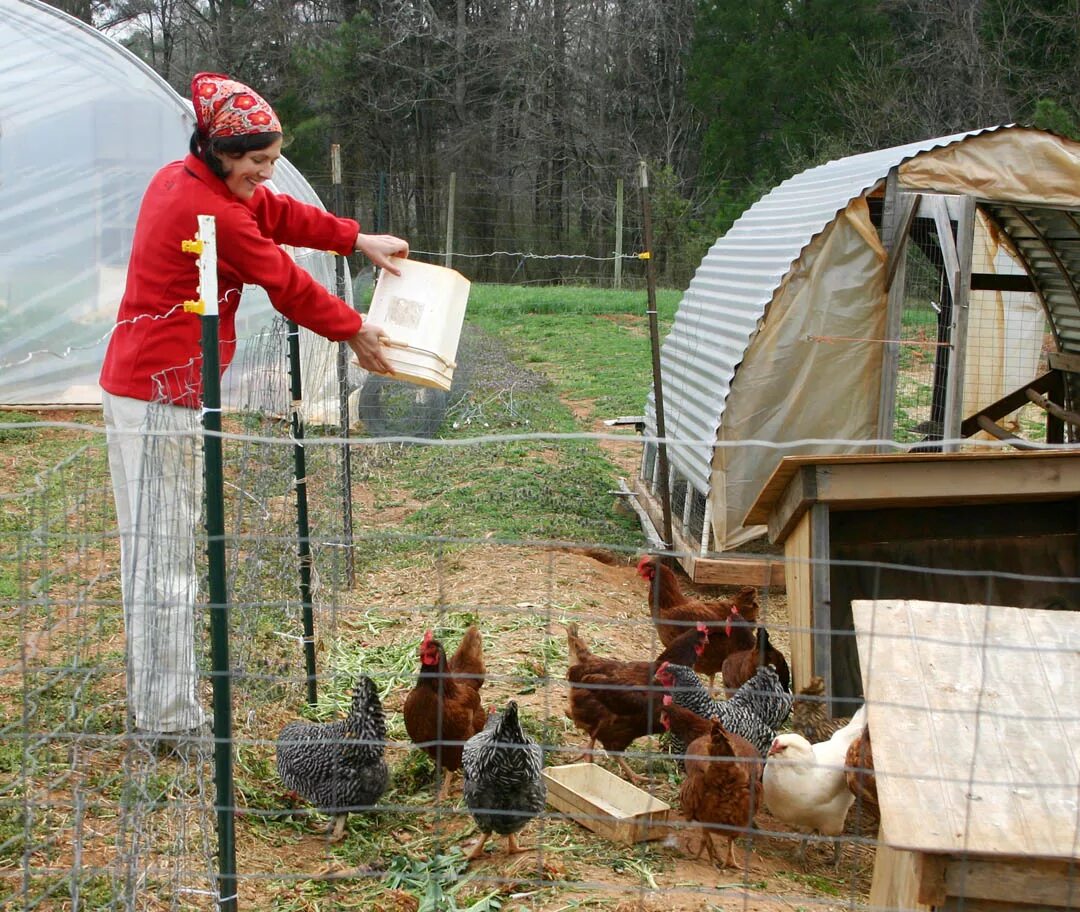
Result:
x=429 y=635
x=668 y=699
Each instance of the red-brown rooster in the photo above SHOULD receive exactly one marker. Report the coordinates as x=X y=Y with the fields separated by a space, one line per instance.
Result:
x=730 y=620
x=740 y=667
x=610 y=699
x=443 y=710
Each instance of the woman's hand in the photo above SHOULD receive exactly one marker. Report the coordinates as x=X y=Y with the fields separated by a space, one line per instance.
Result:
x=381 y=248
x=368 y=348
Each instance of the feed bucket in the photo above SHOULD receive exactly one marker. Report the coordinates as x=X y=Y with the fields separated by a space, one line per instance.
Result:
x=421 y=312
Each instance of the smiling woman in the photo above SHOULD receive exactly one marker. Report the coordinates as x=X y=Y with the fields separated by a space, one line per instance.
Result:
x=154 y=356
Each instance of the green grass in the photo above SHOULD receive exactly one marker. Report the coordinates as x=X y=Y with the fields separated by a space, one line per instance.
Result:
x=592 y=342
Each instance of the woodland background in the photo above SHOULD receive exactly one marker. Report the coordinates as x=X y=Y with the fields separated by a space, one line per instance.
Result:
x=538 y=108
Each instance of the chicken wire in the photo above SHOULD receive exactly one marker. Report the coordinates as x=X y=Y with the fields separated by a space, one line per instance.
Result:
x=89 y=818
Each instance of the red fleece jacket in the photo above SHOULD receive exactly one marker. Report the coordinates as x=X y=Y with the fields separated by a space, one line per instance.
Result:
x=155 y=349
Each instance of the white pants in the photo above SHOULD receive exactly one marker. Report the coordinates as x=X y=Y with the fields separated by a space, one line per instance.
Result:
x=155 y=458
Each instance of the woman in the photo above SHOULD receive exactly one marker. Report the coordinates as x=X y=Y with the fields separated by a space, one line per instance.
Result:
x=154 y=356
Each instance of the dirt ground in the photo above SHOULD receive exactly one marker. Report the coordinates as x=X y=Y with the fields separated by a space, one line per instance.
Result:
x=603 y=593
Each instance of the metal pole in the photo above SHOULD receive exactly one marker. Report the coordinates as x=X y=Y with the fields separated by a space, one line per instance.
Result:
x=654 y=335
x=206 y=247
x=343 y=387
x=303 y=529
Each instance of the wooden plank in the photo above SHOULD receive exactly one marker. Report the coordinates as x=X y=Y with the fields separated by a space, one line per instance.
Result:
x=821 y=600
x=975 y=727
x=1063 y=361
x=800 y=493
x=1049 y=383
x=790 y=465
x=800 y=599
x=958 y=332
x=994 y=281
x=1032 y=881
x=896 y=880
x=866 y=485
x=745 y=570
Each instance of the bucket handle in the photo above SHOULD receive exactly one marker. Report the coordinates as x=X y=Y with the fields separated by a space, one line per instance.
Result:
x=393 y=343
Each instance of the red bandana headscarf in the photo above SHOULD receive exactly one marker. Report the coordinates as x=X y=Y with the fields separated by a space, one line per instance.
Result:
x=225 y=107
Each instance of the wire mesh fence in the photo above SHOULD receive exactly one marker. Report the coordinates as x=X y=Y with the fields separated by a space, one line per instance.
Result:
x=503 y=522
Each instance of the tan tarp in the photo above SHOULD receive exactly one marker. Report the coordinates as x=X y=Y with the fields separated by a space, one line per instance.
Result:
x=806 y=368
x=1008 y=166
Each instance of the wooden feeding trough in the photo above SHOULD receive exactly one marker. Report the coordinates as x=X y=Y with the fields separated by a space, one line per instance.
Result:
x=602 y=802
x=973 y=714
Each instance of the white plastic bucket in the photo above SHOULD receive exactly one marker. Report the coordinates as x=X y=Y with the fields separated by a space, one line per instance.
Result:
x=421 y=312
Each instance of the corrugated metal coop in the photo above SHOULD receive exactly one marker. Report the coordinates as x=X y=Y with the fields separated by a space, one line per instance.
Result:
x=920 y=294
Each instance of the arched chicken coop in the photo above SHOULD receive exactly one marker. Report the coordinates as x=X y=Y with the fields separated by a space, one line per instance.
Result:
x=915 y=295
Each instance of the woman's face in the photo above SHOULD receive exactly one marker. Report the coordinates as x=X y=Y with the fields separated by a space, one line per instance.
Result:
x=243 y=173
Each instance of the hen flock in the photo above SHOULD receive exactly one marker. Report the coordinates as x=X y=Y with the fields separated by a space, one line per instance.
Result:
x=733 y=756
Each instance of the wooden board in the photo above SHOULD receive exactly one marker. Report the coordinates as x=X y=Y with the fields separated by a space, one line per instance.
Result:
x=907 y=479
x=974 y=716
x=602 y=802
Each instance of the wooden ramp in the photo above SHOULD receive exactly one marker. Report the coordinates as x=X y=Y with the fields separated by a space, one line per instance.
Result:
x=974 y=712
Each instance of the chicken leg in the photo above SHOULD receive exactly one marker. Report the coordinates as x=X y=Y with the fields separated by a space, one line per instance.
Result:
x=477 y=850
x=336 y=831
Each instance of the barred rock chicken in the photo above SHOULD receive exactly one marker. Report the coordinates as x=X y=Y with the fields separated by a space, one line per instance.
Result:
x=739 y=667
x=810 y=714
x=503 y=786
x=443 y=710
x=805 y=784
x=338 y=766
x=610 y=699
x=755 y=711
x=720 y=791
x=672 y=612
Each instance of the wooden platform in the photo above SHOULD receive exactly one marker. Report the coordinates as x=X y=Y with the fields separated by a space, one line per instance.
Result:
x=975 y=719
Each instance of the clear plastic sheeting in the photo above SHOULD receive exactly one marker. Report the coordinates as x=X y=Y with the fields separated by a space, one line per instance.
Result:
x=83 y=127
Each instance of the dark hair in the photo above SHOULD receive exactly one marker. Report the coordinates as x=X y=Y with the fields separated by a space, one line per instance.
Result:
x=210 y=151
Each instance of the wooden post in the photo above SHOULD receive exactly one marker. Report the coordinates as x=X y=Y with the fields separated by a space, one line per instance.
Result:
x=954 y=390
x=618 y=232
x=448 y=257
x=897 y=215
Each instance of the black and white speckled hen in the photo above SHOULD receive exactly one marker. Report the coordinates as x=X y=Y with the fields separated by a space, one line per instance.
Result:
x=755 y=711
x=503 y=785
x=338 y=766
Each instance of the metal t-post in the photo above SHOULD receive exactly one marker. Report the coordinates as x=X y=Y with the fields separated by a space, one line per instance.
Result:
x=303 y=528
x=205 y=245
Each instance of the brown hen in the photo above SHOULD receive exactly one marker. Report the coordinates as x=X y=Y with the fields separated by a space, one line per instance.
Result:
x=859 y=773
x=730 y=620
x=721 y=791
x=443 y=710
x=740 y=667
x=613 y=701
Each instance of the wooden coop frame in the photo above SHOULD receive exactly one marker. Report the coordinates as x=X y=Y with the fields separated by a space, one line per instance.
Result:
x=1038 y=224
x=861 y=527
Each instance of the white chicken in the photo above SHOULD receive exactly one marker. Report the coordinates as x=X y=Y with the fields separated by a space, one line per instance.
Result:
x=804 y=784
